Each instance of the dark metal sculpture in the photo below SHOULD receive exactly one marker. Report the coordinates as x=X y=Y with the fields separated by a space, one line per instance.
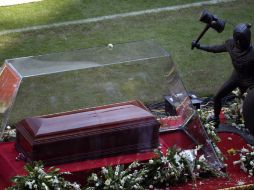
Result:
x=242 y=55
x=211 y=21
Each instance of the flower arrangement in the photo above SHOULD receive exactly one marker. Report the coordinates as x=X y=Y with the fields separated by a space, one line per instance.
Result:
x=246 y=160
x=168 y=168
x=174 y=167
x=8 y=134
x=165 y=169
x=38 y=178
x=205 y=114
x=233 y=111
x=117 y=177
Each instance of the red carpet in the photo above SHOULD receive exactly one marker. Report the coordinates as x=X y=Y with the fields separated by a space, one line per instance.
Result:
x=235 y=174
x=9 y=167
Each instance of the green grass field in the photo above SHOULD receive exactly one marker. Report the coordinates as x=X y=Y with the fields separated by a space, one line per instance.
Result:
x=201 y=72
x=51 y=11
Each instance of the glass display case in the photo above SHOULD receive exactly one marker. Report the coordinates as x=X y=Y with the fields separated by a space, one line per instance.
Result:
x=60 y=82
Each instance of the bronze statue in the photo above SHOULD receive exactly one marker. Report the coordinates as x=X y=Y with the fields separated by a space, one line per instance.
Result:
x=241 y=52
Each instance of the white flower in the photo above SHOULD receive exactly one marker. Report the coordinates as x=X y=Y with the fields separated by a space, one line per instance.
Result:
x=181 y=166
x=198 y=147
x=45 y=186
x=202 y=158
x=164 y=159
x=104 y=170
x=244 y=150
x=195 y=152
x=8 y=127
x=29 y=184
x=251 y=163
x=107 y=182
x=117 y=169
x=150 y=186
x=240 y=182
x=169 y=165
x=213 y=133
x=243 y=168
x=134 y=165
x=177 y=158
x=116 y=173
x=241 y=125
x=67 y=173
x=236 y=162
x=207 y=125
x=150 y=161
x=40 y=170
x=172 y=173
x=236 y=92
x=76 y=186
x=243 y=159
x=198 y=167
x=55 y=180
x=95 y=178
x=122 y=181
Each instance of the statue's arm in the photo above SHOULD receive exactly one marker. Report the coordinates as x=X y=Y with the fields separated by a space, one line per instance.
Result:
x=213 y=48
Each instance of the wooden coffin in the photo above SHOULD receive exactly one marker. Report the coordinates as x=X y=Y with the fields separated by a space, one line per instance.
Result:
x=88 y=133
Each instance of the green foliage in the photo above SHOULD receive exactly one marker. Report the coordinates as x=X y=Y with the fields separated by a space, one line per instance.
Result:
x=118 y=177
x=205 y=114
x=233 y=111
x=246 y=160
x=165 y=169
x=38 y=179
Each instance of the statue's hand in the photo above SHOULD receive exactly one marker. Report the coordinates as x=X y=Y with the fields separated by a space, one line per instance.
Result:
x=194 y=44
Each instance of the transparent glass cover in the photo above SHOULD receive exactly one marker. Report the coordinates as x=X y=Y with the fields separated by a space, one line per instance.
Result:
x=60 y=82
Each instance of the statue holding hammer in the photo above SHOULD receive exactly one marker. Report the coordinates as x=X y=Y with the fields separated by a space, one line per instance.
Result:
x=241 y=52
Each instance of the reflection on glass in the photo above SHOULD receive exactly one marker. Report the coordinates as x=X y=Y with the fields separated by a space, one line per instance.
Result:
x=93 y=77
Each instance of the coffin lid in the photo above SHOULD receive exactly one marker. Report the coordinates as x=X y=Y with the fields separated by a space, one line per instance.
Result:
x=86 y=120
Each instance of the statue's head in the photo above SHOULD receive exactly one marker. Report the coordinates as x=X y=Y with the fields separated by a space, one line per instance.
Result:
x=242 y=36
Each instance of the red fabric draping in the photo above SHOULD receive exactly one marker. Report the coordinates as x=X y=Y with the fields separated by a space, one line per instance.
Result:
x=235 y=174
x=9 y=167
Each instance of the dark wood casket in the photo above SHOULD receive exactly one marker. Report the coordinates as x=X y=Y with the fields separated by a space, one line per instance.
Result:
x=88 y=133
